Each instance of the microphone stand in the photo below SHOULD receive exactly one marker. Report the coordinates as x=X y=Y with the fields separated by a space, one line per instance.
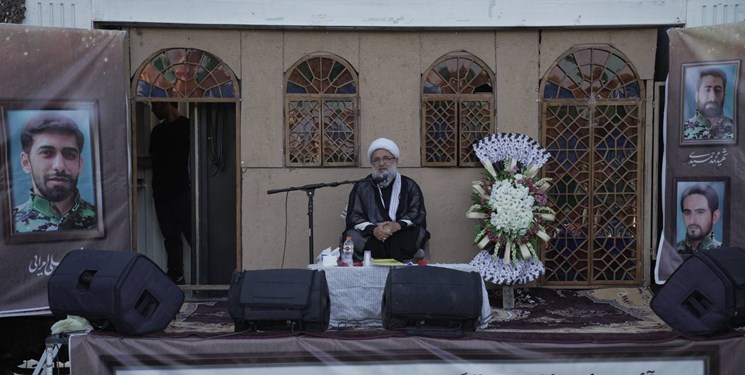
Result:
x=310 y=192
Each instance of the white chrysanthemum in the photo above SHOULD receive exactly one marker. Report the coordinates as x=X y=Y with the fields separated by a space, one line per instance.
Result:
x=512 y=207
x=509 y=213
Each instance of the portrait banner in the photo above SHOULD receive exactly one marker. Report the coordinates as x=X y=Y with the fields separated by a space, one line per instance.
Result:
x=700 y=181
x=64 y=155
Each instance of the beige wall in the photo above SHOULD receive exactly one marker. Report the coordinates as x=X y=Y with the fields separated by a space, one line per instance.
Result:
x=390 y=65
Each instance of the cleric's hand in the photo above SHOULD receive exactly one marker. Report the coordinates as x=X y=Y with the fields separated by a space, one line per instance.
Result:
x=382 y=231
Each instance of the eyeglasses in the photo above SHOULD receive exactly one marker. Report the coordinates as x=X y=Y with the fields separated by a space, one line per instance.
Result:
x=383 y=160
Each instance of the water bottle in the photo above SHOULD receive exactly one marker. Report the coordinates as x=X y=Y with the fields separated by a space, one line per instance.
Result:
x=347 y=252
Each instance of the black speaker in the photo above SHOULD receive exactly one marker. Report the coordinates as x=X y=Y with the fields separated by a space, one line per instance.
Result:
x=705 y=294
x=430 y=300
x=280 y=299
x=119 y=288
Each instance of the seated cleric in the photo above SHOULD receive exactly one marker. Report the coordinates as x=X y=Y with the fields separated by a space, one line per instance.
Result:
x=388 y=217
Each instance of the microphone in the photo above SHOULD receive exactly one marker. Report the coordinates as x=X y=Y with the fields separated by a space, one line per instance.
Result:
x=380 y=179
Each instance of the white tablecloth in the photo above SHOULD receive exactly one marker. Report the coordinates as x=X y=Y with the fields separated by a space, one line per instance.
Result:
x=356 y=294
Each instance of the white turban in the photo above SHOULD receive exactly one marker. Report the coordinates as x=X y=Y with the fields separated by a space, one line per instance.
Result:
x=385 y=144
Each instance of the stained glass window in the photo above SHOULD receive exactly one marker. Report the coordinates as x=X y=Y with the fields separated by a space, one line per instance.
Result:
x=186 y=73
x=321 y=113
x=457 y=109
x=593 y=128
x=592 y=73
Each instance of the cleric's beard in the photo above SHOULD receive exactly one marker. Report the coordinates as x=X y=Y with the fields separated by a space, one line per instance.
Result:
x=391 y=171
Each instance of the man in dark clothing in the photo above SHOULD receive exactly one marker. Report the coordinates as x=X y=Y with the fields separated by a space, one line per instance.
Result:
x=387 y=218
x=169 y=148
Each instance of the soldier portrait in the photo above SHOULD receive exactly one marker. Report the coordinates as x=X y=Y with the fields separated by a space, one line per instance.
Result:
x=51 y=174
x=702 y=214
x=709 y=103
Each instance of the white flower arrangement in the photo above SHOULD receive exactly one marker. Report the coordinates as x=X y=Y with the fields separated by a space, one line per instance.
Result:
x=511 y=206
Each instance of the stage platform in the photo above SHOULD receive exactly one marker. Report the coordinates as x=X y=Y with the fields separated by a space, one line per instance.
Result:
x=549 y=331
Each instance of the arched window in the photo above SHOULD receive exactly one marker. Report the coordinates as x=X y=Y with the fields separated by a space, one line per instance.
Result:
x=186 y=73
x=321 y=112
x=457 y=109
x=593 y=126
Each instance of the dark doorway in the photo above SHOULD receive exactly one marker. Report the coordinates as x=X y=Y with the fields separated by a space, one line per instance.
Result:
x=212 y=163
x=215 y=193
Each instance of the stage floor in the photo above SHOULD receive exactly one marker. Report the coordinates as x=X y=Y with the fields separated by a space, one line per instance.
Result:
x=550 y=331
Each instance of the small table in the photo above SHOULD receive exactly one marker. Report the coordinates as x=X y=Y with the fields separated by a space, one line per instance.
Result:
x=356 y=294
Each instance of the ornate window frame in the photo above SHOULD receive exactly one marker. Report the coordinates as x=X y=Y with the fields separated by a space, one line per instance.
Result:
x=458 y=109
x=321 y=112
x=593 y=125
x=185 y=73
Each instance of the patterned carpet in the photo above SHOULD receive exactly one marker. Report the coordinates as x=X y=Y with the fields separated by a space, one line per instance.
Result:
x=202 y=318
x=539 y=313
x=609 y=310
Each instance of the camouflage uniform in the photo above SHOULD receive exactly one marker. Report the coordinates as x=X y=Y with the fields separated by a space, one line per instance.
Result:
x=699 y=127
x=40 y=215
x=683 y=247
